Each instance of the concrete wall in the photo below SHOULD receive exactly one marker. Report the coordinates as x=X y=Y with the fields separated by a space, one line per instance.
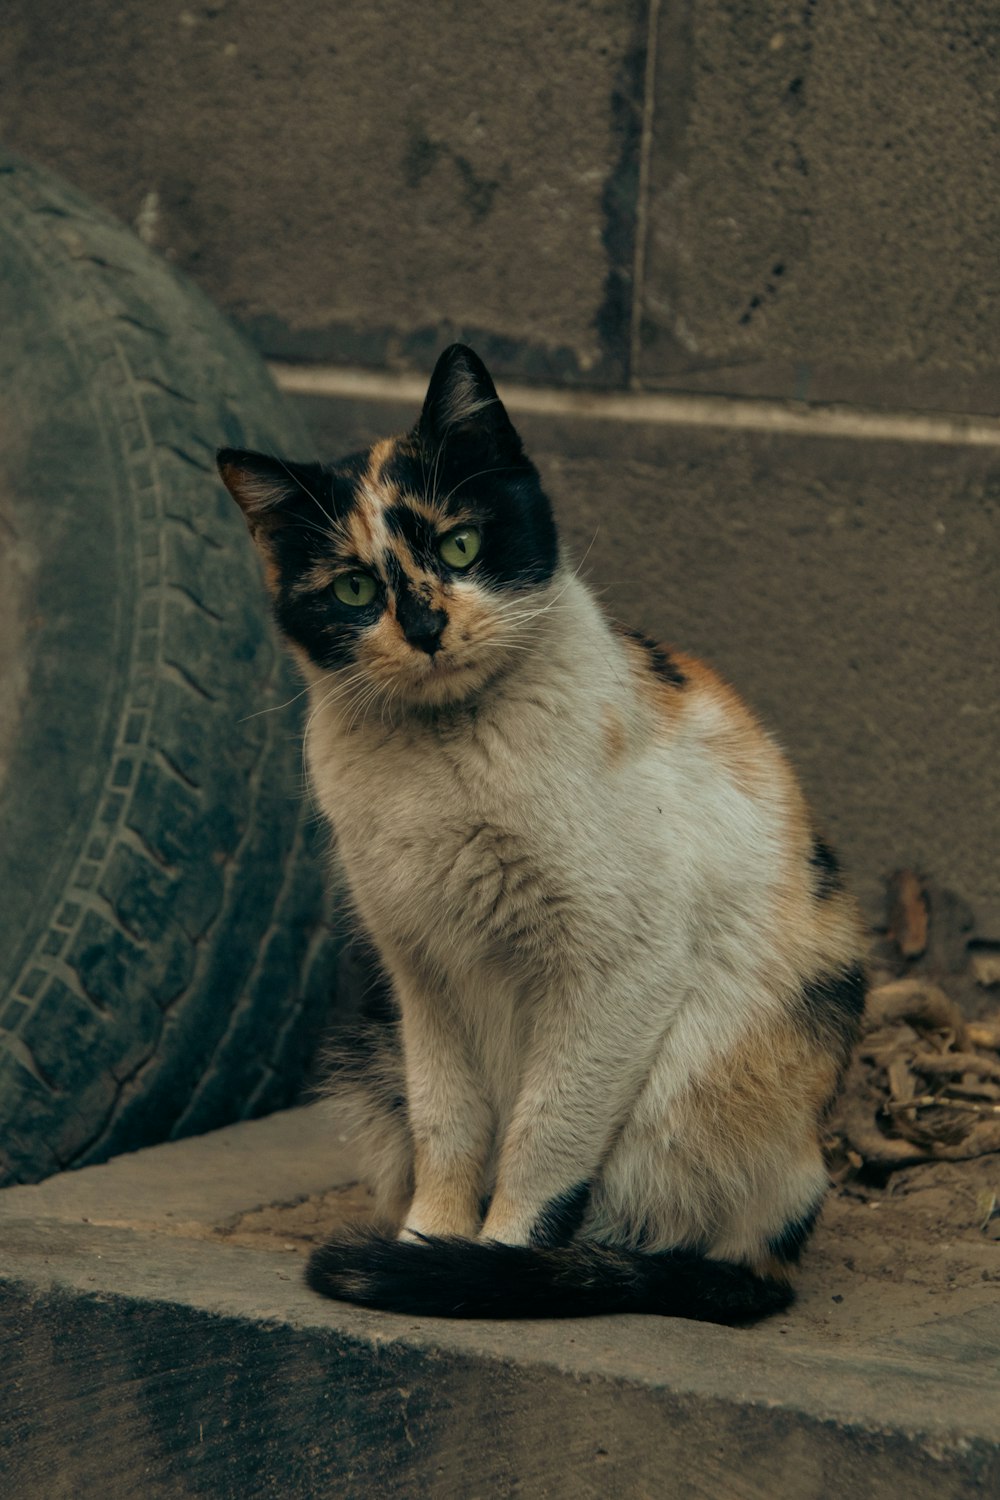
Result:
x=791 y=199
x=353 y=182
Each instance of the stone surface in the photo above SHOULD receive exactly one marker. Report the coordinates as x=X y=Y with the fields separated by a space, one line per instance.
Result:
x=818 y=215
x=359 y=183
x=145 y=1354
x=822 y=212
x=848 y=589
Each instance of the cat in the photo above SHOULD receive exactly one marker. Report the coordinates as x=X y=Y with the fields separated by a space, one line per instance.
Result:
x=626 y=973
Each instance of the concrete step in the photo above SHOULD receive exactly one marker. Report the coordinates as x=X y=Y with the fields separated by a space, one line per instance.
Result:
x=158 y=1341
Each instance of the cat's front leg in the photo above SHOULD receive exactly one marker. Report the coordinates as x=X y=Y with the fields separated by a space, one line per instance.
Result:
x=450 y=1121
x=589 y=1057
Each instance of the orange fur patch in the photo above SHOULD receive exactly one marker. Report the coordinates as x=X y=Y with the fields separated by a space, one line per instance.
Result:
x=772 y=1088
x=363 y=523
x=272 y=574
x=613 y=736
x=377 y=460
x=811 y=936
x=319 y=576
x=733 y=735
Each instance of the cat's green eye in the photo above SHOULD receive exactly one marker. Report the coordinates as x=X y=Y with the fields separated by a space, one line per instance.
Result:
x=355 y=588
x=460 y=547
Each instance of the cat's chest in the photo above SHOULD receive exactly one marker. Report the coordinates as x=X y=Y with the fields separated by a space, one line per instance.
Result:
x=443 y=833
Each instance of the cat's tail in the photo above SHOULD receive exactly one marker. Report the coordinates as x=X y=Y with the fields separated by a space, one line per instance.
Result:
x=456 y=1278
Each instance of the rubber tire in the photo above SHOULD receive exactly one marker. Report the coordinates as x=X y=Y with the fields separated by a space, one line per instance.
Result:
x=165 y=960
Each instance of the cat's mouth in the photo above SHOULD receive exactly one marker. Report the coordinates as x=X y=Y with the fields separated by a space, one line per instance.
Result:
x=442 y=678
x=443 y=666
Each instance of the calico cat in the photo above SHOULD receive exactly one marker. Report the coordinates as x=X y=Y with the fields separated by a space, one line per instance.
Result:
x=626 y=973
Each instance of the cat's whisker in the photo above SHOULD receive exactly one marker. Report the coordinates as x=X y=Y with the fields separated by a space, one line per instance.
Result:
x=275 y=707
x=545 y=608
x=338 y=690
x=331 y=538
x=307 y=491
x=579 y=567
x=314 y=712
x=533 y=614
x=468 y=479
x=390 y=701
x=438 y=455
x=364 y=709
x=522 y=612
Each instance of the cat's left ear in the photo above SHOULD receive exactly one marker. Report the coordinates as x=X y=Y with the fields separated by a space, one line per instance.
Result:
x=267 y=490
x=462 y=404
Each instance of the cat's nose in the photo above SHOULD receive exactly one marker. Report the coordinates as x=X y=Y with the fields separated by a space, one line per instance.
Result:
x=427 y=640
x=422 y=626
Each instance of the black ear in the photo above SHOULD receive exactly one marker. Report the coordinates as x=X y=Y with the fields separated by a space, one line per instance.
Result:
x=462 y=405
x=267 y=490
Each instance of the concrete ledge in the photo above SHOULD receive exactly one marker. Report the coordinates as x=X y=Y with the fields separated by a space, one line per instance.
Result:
x=148 y=1352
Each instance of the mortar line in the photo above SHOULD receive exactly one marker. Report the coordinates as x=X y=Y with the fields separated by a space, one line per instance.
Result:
x=642 y=191
x=657 y=409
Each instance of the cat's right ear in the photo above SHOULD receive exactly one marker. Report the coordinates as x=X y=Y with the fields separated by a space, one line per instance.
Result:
x=267 y=490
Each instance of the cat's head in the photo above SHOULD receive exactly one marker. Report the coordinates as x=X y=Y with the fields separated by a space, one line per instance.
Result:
x=416 y=563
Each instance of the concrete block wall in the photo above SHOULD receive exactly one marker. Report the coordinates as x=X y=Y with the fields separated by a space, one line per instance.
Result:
x=795 y=198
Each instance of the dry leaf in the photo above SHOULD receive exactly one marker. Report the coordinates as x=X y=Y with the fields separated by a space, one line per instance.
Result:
x=908 y=913
x=986 y=1207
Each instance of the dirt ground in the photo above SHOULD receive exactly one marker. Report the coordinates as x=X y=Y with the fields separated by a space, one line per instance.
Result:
x=881 y=1259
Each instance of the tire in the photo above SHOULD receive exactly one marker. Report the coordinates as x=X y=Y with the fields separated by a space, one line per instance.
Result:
x=165 y=959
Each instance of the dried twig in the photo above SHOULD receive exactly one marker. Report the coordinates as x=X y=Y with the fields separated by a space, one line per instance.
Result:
x=918 y=1003
x=955 y=1064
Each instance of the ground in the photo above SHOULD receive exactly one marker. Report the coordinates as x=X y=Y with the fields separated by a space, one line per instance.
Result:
x=877 y=1257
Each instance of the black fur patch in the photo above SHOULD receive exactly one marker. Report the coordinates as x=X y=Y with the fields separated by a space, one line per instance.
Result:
x=787 y=1246
x=833 y=1004
x=561 y=1217
x=519 y=547
x=371 y=1029
x=455 y=1278
x=660 y=660
x=827 y=879
x=421 y=625
x=418 y=533
x=478 y=465
x=295 y=531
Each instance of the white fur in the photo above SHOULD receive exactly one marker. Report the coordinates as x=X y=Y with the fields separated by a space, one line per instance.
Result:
x=573 y=937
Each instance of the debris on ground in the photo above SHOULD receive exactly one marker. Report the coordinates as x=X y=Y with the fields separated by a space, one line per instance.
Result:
x=924 y=1083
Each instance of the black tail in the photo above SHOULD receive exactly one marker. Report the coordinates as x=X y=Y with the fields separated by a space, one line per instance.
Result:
x=454 y=1278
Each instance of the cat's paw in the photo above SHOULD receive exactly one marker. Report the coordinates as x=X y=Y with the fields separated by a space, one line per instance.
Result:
x=444 y=1221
